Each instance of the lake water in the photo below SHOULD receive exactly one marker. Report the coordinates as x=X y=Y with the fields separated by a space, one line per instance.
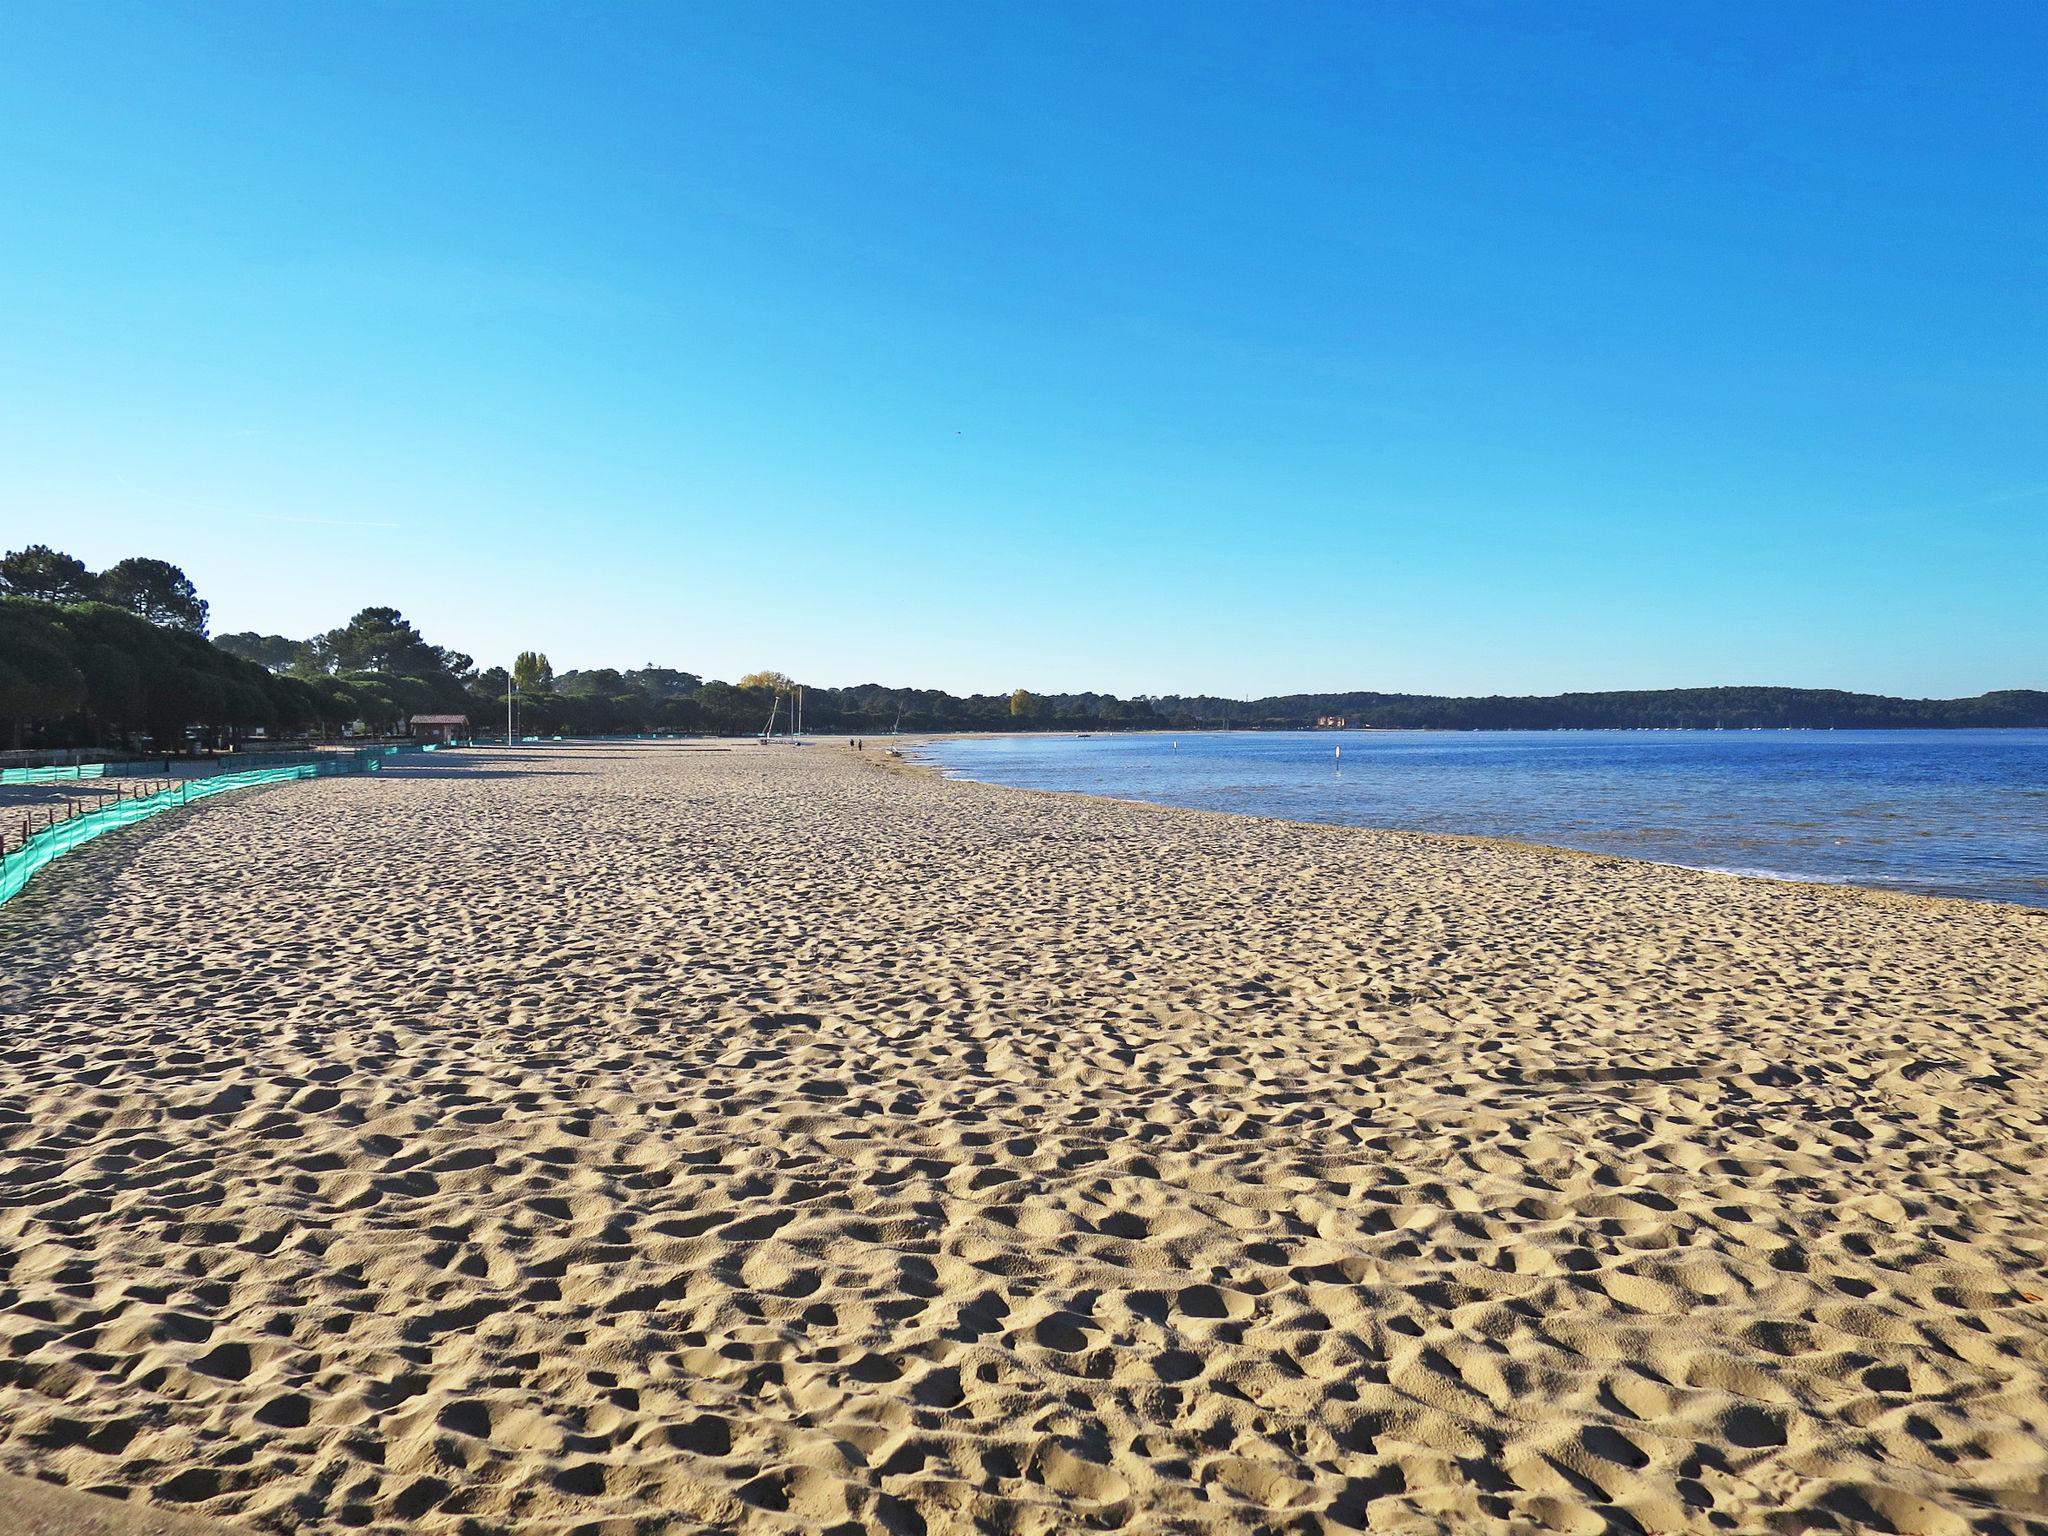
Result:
x=1950 y=813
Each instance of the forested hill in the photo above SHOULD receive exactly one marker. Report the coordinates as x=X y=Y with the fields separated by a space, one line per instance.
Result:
x=1661 y=708
x=120 y=658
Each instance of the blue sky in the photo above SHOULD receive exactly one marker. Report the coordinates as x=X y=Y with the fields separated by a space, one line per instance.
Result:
x=1149 y=348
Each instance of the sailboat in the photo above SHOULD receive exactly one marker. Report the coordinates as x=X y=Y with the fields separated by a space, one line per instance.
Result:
x=794 y=728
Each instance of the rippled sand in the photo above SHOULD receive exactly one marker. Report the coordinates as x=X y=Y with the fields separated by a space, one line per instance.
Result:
x=612 y=1140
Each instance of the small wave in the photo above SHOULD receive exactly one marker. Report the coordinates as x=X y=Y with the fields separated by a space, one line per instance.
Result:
x=1766 y=872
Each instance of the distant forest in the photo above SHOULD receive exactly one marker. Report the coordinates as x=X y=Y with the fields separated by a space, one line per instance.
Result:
x=120 y=658
x=1651 y=708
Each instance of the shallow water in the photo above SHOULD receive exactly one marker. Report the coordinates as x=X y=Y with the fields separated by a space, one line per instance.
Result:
x=1949 y=813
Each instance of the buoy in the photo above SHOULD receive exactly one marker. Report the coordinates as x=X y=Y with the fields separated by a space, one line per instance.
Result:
x=1340 y=752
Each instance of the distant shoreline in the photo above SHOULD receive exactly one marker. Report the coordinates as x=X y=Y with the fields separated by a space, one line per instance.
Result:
x=1410 y=730
x=1878 y=894
x=1864 y=810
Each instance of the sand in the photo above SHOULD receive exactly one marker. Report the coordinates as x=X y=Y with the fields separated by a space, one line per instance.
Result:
x=609 y=1140
x=32 y=1508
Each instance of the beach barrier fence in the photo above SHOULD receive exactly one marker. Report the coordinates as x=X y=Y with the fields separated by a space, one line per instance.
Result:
x=233 y=762
x=62 y=774
x=78 y=826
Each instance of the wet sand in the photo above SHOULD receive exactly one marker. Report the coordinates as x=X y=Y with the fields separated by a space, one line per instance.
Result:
x=615 y=1139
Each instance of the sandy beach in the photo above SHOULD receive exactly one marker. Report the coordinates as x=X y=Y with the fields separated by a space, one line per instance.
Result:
x=643 y=1139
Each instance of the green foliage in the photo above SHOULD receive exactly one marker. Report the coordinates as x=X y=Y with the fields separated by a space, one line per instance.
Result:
x=1023 y=705
x=1643 y=709
x=92 y=673
x=39 y=672
x=379 y=640
x=487 y=691
x=662 y=683
x=531 y=672
x=156 y=589
x=132 y=664
x=275 y=652
x=40 y=571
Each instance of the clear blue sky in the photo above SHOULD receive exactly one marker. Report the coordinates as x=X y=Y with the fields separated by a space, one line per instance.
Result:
x=1150 y=348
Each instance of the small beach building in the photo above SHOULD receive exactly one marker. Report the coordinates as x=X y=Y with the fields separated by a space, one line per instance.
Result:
x=1329 y=722
x=441 y=728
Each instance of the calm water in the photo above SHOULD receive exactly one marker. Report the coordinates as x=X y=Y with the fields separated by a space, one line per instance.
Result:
x=1953 y=813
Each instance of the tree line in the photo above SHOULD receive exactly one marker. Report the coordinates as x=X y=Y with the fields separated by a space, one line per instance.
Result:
x=1631 y=709
x=120 y=658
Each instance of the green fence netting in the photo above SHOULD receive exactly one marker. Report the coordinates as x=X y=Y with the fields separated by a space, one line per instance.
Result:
x=53 y=775
x=54 y=842
x=234 y=762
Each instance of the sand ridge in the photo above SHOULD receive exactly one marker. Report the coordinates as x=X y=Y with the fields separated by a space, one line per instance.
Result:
x=620 y=1139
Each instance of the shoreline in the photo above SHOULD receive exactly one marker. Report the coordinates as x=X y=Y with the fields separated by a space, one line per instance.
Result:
x=1337 y=736
x=1871 y=893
